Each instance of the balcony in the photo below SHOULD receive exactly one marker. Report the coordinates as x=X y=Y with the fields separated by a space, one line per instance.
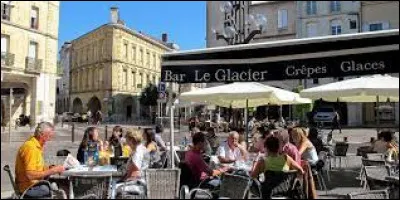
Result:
x=33 y=65
x=7 y=60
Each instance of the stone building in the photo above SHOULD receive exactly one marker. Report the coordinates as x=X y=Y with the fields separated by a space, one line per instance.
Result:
x=29 y=40
x=62 y=103
x=315 y=19
x=110 y=66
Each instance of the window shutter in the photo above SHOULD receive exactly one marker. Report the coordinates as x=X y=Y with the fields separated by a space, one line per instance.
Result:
x=4 y=44
x=385 y=25
x=32 y=50
x=285 y=18
x=280 y=18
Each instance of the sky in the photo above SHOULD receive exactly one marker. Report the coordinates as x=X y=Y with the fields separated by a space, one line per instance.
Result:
x=184 y=21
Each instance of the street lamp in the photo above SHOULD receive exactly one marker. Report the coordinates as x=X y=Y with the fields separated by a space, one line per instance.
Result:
x=239 y=26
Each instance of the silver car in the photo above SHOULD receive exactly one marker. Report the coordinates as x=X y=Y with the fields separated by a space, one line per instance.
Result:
x=324 y=114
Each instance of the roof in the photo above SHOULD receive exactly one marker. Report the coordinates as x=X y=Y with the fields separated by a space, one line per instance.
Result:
x=289 y=42
x=159 y=43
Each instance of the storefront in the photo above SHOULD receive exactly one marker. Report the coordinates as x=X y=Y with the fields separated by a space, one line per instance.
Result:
x=340 y=56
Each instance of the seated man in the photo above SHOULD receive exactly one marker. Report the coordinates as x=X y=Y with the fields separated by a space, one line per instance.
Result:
x=231 y=150
x=195 y=161
x=29 y=164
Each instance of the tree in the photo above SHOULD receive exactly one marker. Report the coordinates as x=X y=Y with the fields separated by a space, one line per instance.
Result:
x=301 y=110
x=149 y=97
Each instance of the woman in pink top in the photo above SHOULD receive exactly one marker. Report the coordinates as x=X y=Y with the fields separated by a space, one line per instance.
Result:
x=287 y=147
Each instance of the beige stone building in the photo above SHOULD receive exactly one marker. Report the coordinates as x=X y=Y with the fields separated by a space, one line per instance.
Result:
x=109 y=68
x=375 y=16
x=29 y=39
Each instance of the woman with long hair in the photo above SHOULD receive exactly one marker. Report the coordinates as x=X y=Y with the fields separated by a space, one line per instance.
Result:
x=149 y=140
x=90 y=140
x=115 y=141
x=305 y=147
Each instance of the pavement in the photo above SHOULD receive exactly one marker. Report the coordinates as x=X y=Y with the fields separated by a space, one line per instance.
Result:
x=343 y=180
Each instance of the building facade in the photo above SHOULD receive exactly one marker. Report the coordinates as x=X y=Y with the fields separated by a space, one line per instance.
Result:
x=313 y=19
x=29 y=40
x=109 y=68
x=62 y=103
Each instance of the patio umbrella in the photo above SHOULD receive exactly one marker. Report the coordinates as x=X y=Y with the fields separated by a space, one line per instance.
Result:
x=244 y=95
x=365 y=89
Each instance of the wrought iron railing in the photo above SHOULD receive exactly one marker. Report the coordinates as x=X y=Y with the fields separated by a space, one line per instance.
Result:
x=33 y=65
x=7 y=59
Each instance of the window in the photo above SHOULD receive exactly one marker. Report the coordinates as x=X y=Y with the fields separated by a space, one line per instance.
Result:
x=154 y=61
x=312 y=30
x=148 y=59
x=124 y=77
x=282 y=19
x=335 y=6
x=33 y=48
x=353 y=24
x=133 y=52
x=126 y=50
x=336 y=28
x=311 y=7
x=5 y=43
x=376 y=27
x=34 y=18
x=315 y=81
x=141 y=55
x=5 y=10
x=133 y=79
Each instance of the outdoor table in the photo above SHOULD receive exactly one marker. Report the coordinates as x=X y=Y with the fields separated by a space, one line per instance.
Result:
x=62 y=179
x=393 y=179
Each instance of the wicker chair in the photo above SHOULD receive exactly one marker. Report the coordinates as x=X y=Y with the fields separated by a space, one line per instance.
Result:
x=234 y=187
x=375 y=177
x=281 y=184
x=84 y=186
x=162 y=183
x=372 y=194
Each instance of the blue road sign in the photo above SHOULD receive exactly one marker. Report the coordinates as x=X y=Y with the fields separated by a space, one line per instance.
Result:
x=161 y=87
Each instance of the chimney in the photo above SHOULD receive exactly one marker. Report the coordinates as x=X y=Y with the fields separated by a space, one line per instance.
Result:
x=114 y=15
x=164 y=37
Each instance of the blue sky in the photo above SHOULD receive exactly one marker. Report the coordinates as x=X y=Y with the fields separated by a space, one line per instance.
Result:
x=185 y=22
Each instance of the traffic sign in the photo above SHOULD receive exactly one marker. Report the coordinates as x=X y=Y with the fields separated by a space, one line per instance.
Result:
x=161 y=87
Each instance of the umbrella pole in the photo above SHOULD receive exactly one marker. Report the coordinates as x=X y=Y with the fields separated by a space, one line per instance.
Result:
x=172 y=135
x=246 y=122
x=377 y=115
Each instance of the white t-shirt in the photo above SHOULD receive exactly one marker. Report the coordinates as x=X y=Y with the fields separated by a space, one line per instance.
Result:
x=226 y=152
x=140 y=157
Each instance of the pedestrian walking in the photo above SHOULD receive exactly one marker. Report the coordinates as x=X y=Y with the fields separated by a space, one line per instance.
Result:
x=336 y=122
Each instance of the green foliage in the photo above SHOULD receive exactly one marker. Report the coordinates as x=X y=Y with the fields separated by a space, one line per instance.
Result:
x=299 y=111
x=149 y=96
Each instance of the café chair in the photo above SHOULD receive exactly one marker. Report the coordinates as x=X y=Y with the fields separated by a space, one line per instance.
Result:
x=234 y=187
x=371 y=194
x=162 y=183
x=282 y=184
x=18 y=195
x=84 y=186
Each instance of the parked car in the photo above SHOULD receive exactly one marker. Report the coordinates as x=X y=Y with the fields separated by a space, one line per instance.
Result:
x=67 y=116
x=324 y=114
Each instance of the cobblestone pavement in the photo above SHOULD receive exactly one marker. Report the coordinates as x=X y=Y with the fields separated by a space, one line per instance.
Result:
x=342 y=180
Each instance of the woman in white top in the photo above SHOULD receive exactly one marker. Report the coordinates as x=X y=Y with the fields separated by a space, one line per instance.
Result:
x=139 y=158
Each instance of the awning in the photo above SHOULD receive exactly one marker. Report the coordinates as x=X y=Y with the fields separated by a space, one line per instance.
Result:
x=320 y=57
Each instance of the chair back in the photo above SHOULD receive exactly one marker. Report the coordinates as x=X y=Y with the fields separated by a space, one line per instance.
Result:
x=12 y=180
x=375 y=176
x=162 y=183
x=234 y=187
x=186 y=177
x=371 y=194
x=93 y=184
x=120 y=162
x=368 y=162
x=375 y=156
x=341 y=148
x=278 y=183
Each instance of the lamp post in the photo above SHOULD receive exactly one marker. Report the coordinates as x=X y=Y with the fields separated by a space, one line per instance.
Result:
x=240 y=27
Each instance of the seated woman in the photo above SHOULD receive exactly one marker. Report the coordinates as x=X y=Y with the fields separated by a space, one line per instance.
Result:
x=387 y=145
x=315 y=140
x=259 y=143
x=90 y=142
x=194 y=160
x=115 y=141
x=305 y=147
x=287 y=147
x=275 y=161
x=149 y=140
x=138 y=162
